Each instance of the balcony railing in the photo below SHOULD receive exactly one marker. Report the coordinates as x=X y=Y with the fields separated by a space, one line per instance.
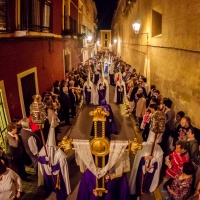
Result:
x=70 y=26
x=36 y=16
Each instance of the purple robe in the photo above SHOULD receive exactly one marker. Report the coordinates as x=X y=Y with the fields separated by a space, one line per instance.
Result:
x=120 y=94
x=102 y=92
x=112 y=81
x=50 y=180
x=111 y=126
x=147 y=178
x=117 y=188
x=87 y=95
x=106 y=68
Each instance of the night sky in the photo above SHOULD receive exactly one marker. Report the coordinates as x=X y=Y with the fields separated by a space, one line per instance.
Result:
x=105 y=11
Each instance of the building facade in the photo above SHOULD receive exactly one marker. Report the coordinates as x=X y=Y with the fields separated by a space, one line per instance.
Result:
x=39 y=42
x=166 y=50
x=105 y=40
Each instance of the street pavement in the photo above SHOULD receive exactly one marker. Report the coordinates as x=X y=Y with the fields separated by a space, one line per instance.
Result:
x=81 y=129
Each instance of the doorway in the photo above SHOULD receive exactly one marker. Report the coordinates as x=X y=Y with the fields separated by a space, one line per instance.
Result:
x=28 y=86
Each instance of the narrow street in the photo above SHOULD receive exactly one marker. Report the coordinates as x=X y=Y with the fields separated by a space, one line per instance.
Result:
x=81 y=129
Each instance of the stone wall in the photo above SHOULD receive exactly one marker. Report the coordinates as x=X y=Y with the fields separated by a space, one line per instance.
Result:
x=170 y=60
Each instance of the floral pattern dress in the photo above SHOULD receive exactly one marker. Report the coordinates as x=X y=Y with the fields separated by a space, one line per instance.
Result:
x=181 y=188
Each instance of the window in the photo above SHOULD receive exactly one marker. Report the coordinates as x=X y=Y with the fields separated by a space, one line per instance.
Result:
x=106 y=43
x=156 y=23
x=4 y=16
x=36 y=15
x=106 y=36
x=47 y=16
x=73 y=26
x=70 y=24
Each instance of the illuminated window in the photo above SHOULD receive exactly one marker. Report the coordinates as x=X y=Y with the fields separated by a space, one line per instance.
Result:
x=4 y=16
x=106 y=43
x=3 y=122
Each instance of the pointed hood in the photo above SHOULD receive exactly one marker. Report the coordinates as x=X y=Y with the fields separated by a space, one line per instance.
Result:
x=120 y=77
x=50 y=146
x=51 y=141
x=88 y=77
x=102 y=72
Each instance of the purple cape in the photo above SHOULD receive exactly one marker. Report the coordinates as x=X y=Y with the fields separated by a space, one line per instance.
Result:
x=50 y=180
x=147 y=178
x=117 y=188
x=111 y=126
x=87 y=96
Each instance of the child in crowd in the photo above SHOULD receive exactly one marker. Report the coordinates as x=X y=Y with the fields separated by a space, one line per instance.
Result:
x=145 y=124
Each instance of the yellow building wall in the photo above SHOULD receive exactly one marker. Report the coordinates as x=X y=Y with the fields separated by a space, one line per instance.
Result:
x=170 y=60
x=103 y=33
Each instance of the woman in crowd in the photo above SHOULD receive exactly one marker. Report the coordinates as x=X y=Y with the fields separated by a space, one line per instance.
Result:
x=196 y=163
x=181 y=185
x=10 y=183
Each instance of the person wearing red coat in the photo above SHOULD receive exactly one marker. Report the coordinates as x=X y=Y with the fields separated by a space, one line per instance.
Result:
x=175 y=160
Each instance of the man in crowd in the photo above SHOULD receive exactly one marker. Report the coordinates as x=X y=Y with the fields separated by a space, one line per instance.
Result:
x=175 y=160
x=31 y=141
x=14 y=148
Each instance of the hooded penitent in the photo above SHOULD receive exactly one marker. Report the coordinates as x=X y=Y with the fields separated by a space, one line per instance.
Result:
x=102 y=89
x=53 y=168
x=88 y=91
x=120 y=91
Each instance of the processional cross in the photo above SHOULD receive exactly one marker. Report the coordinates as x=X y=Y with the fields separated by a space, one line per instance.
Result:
x=100 y=146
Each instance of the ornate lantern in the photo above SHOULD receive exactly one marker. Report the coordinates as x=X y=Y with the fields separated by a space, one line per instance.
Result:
x=37 y=110
x=38 y=114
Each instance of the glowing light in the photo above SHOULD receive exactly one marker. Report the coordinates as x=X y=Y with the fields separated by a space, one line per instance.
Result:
x=89 y=38
x=136 y=26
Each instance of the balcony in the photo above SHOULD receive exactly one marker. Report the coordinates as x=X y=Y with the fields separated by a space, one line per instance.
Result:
x=70 y=26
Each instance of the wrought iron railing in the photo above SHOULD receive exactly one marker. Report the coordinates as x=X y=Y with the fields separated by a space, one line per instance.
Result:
x=36 y=16
x=70 y=26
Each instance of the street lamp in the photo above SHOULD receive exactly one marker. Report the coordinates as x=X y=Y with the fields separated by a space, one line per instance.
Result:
x=89 y=38
x=115 y=41
x=136 y=26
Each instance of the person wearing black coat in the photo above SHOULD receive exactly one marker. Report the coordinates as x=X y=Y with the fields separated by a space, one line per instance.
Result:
x=66 y=105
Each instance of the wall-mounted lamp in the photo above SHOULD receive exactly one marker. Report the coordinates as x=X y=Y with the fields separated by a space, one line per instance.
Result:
x=115 y=41
x=136 y=26
x=89 y=38
x=98 y=42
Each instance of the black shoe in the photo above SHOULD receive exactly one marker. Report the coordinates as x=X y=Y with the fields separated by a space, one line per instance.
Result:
x=26 y=179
